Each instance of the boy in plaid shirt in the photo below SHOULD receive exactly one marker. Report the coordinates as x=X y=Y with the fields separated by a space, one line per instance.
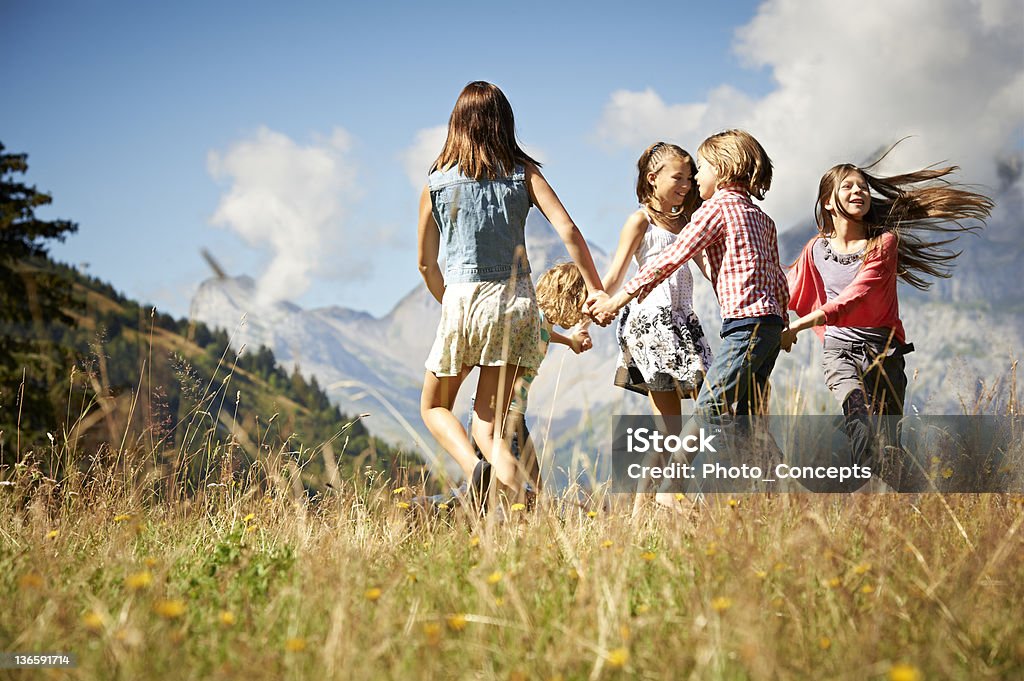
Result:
x=741 y=256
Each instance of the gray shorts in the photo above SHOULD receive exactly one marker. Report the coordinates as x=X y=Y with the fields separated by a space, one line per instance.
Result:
x=865 y=366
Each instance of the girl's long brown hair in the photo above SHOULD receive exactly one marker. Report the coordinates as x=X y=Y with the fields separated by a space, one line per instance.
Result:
x=915 y=207
x=482 y=135
x=650 y=162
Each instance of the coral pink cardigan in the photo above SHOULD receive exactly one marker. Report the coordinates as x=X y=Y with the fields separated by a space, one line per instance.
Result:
x=869 y=300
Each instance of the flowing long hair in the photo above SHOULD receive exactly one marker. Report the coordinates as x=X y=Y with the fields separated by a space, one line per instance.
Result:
x=482 y=135
x=919 y=208
x=651 y=161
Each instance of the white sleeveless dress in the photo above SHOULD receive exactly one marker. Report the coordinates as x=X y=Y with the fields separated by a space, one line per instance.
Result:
x=662 y=344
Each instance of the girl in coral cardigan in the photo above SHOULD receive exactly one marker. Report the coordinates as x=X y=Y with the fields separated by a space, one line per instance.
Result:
x=873 y=230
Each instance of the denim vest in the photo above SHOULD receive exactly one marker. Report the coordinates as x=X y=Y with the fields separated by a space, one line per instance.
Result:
x=481 y=224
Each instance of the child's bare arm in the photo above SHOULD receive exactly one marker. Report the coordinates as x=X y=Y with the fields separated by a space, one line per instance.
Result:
x=578 y=340
x=428 y=247
x=629 y=241
x=701 y=260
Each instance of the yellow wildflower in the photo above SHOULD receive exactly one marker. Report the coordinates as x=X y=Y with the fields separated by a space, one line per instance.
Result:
x=618 y=658
x=834 y=582
x=248 y=518
x=92 y=620
x=648 y=555
x=862 y=568
x=295 y=645
x=642 y=608
x=947 y=473
x=373 y=594
x=591 y=514
x=139 y=580
x=169 y=608
x=494 y=577
x=824 y=643
x=573 y=574
x=151 y=562
x=711 y=550
x=398 y=490
x=761 y=574
x=518 y=507
x=721 y=604
x=402 y=505
x=122 y=517
x=867 y=589
x=904 y=672
x=456 y=622
x=432 y=632
x=474 y=541
x=733 y=503
x=607 y=544
x=52 y=534
x=226 y=618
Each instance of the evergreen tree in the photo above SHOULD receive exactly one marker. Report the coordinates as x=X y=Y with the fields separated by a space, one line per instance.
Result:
x=33 y=300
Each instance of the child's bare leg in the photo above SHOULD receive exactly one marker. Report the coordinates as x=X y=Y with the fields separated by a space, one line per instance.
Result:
x=436 y=401
x=494 y=389
x=667 y=409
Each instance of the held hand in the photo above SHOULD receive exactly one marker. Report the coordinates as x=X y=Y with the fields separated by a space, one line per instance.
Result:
x=788 y=339
x=593 y=299
x=580 y=341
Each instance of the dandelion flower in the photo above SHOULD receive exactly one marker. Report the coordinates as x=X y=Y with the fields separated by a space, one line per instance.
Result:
x=494 y=577
x=432 y=633
x=251 y=528
x=904 y=672
x=591 y=514
x=139 y=580
x=618 y=658
x=761 y=574
x=733 y=503
x=92 y=620
x=863 y=568
x=518 y=507
x=834 y=582
x=398 y=490
x=373 y=594
x=169 y=608
x=607 y=544
x=442 y=506
x=456 y=622
x=53 y=534
x=947 y=473
x=295 y=645
x=402 y=505
x=474 y=541
x=711 y=550
x=122 y=517
x=499 y=601
x=721 y=604
x=824 y=643
x=648 y=555
x=249 y=518
x=226 y=618
x=867 y=589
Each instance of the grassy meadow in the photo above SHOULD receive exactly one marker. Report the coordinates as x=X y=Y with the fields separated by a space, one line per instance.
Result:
x=254 y=581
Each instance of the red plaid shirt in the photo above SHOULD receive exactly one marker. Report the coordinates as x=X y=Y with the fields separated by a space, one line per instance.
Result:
x=742 y=248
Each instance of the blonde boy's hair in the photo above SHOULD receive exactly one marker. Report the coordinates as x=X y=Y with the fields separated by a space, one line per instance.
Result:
x=738 y=158
x=561 y=293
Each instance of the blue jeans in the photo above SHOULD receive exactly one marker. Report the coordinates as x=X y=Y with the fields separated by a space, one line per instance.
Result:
x=737 y=381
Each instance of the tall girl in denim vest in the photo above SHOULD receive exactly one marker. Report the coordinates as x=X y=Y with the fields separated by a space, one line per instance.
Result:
x=477 y=197
x=873 y=230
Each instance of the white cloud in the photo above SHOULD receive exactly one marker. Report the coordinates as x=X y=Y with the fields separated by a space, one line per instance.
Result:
x=849 y=80
x=418 y=158
x=293 y=201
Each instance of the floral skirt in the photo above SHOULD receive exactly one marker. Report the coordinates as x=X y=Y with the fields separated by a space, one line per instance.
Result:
x=487 y=323
x=663 y=349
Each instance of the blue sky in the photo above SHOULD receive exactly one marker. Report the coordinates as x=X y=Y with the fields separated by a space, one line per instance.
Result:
x=162 y=130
